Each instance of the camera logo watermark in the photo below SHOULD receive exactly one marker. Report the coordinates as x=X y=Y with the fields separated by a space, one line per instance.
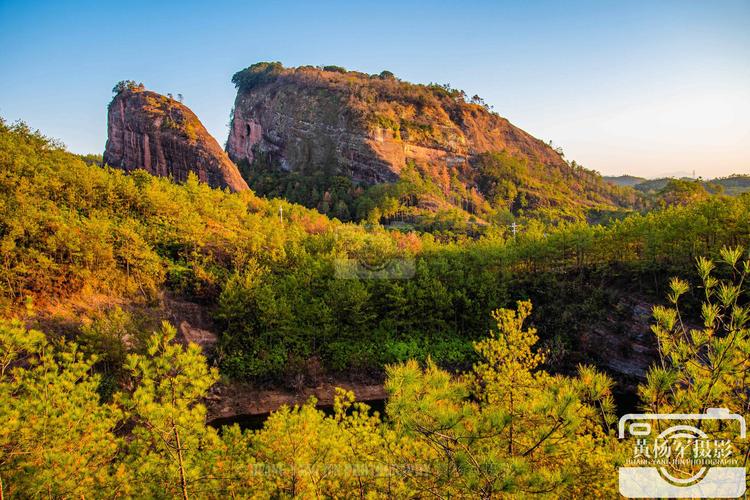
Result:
x=683 y=455
x=382 y=269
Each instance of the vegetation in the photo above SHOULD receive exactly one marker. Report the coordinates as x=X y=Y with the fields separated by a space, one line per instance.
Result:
x=130 y=85
x=441 y=433
x=732 y=185
x=505 y=428
x=335 y=69
x=681 y=192
x=257 y=74
x=506 y=189
x=704 y=367
x=104 y=401
x=71 y=229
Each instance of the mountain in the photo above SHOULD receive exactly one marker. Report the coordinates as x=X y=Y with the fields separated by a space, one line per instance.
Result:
x=624 y=180
x=652 y=186
x=156 y=133
x=325 y=137
x=732 y=185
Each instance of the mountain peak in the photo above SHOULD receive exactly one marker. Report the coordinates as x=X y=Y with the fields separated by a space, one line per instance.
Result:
x=295 y=127
x=159 y=134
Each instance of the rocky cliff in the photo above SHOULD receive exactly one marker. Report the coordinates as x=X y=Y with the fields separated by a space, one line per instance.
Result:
x=328 y=123
x=156 y=133
x=369 y=127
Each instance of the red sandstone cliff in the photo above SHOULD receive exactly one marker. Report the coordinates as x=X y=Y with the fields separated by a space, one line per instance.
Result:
x=158 y=134
x=369 y=127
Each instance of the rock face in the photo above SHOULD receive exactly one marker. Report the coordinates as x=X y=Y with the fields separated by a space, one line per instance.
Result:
x=158 y=134
x=366 y=127
x=358 y=146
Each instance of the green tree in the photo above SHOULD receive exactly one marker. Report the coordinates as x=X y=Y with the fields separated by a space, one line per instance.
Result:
x=108 y=338
x=682 y=192
x=56 y=439
x=170 y=441
x=523 y=431
x=707 y=366
x=314 y=455
x=704 y=367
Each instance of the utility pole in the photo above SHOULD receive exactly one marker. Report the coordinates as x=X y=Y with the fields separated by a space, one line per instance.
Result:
x=514 y=227
x=281 y=214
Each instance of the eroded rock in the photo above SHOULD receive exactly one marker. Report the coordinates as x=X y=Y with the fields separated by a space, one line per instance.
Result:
x=158 y=134
x=367 y=128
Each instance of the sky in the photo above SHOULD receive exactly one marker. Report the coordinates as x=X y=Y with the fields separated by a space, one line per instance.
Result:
x=640 y=88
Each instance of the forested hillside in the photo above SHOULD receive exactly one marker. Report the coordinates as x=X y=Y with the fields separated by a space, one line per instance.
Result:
x=623 y=180
x=270 y=272
x=94 y=402
x=505 y=428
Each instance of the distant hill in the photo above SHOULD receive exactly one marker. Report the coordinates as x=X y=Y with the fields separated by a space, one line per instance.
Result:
x=731 y=185
x=734 y=184
x=624 y=180
x=654 y=185
x=360 y=146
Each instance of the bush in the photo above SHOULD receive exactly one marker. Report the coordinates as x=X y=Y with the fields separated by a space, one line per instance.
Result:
x=123 y=85
x=257 y=74
x=335 y=69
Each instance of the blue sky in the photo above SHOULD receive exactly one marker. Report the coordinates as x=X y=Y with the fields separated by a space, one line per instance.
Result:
x=647 y=88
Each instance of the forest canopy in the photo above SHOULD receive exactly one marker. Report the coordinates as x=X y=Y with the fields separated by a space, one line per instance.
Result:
x=70 y=227
x=506 y=427
x=485 y=395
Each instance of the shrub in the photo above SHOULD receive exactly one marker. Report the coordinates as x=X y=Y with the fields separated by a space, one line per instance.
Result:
x=335 y=69
x=257 y=74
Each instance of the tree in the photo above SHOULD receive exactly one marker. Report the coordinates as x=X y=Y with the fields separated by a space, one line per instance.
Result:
x=314 y=455
x=341 y=211
x=56 y=439
x=127 y=85
x=108 y=338
x=682 y=192
x=508 y=427
x=335 y=69
x=705 y=367
x=544 y=414
x=170 y=441
x=257 y=74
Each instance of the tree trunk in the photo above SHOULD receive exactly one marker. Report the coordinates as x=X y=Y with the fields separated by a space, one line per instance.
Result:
x=183 y=480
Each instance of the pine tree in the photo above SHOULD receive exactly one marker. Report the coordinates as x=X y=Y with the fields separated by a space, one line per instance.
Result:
x=56 y=439
x=170 y=440
x=705 y=367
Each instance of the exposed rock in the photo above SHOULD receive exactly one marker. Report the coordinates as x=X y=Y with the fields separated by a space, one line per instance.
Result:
x=193 y=322
x=623 y=347
x=226 y=402
x=204 y=338
x=323 y=124
x=368 y=127
x=158 y=134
